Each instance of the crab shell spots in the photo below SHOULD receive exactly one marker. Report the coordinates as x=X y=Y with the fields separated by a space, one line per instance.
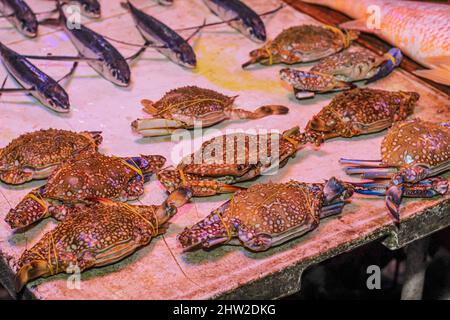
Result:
x=87 y=236
x=235 y=154
x=43 y=148
x=347 y=65
x=274 y=208
x=191 y=102
x=416 y=142
x=90 y=177
x=365 y=107
x=307 y=38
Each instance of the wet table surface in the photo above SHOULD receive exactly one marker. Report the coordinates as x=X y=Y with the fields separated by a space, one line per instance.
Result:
x=226 y=272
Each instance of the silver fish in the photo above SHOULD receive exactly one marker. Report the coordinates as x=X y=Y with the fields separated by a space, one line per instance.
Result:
x=243 y=18
x=165 y=40
x=103 y=56
x=20 y=15
x=34 y=81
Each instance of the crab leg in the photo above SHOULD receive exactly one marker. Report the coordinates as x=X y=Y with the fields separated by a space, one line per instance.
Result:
x=259 y=113
x=372 y=173
x=332 y=209
x=367 y=163
x=388 y=63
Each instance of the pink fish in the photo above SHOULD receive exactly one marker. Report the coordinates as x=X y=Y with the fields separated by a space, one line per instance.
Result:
x=421 y=30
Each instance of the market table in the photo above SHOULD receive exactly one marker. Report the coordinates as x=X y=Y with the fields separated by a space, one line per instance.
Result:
x=225 y=272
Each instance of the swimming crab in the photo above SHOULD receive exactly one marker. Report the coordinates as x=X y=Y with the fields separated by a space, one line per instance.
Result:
x=181 y=108
x=337 y=72
x=267 y=215
x=228 y=159
x=96 y=235
x=361 y=111
x=412 y=152
x=36 y=154
x=303 y=43
x=80 y=179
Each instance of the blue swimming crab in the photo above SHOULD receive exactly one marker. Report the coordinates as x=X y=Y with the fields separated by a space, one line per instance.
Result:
x=97 y=235
x=182 y=108
x=81 y=179
x=339 y=71
x=35 y=155
x=229 y=159
x=267 y=215
x=304 y=43
x=412 y=154
x=362 y=111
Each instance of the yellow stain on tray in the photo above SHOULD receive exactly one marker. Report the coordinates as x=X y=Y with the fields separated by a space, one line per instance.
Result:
x=220 y=67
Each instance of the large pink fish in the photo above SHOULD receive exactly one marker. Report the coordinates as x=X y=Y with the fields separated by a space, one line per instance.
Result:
x=421 y=30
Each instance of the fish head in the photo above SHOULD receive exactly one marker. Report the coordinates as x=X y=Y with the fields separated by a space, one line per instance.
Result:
x=28 y=24
x=119 y=73
x=185 y=56
x=255 y=28
x=91 y=8
x=55 y=97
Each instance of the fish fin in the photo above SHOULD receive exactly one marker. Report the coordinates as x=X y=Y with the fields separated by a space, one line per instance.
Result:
x=139 y=52
x=51 y=22
x=14 y=90
x=4 y=82
x=72 y=70
x=439 y=75
x=441 y=61
x=359 y=25
x=7 y=16
x=60 y=58
x=196 y=31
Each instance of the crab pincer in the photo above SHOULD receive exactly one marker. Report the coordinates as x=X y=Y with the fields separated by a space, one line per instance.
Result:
x=188 y=107
x=97 y=235
x=267 y=215
x=83 y=178
x=413 y=153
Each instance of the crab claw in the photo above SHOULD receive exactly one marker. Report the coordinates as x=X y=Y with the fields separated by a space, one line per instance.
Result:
x=391 y=60
x=209 y=232
x=305 y=83
x=31 y=209
x=394 y=196
x=259 y=55
x=30 y=271
x=149 y=164
x=335 y=189
x=154 y=127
